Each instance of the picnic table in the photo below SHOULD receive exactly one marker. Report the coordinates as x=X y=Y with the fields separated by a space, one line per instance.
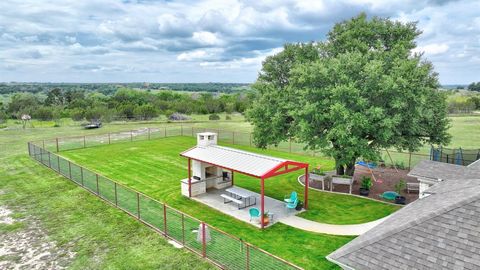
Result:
x=242 y=197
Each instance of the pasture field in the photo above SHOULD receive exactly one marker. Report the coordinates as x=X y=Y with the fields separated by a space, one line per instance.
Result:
x=154 y=167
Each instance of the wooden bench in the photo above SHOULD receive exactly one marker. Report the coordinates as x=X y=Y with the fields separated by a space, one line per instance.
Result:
x=413 y=187
x=227 y=199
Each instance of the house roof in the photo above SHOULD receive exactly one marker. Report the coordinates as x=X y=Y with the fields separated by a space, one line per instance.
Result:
x=439 y=170
x=475 y=165
x=241 y=161
x=440 y=231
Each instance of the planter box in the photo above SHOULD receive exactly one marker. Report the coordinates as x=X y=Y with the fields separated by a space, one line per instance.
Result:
x=341 y=181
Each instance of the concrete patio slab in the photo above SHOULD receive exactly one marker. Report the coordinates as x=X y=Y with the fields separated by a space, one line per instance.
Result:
x=213 y=199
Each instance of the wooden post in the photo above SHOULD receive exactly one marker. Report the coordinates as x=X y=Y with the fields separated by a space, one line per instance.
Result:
x=204 y=241
x=233 y=137
x=84 y=142
x=250 y=139
x=43 y=144
x=98 y=189
x=148 y=133
x=189 y=178
x=410 y=161
x=165 y=132
x=305 y=205
x=165 y=219
x=109 y=138
x=192 y=131
x=116 y=198
x=58 y=164
x=49 y=161
x=138 y=205
x=248 y=256
x=70 y=169
x=232 y=178
x=262 y=201
x=56 y=139
x=131 y=135
x=183 y=228
x=81 y=175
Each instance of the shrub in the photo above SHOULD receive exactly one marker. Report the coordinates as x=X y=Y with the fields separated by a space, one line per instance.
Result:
x=228 y=117
x=400 y=186
x=178 y=117
x=213 y=116
x=366 y=182
x=145 y=112
x=77 y=114
x=43 y=113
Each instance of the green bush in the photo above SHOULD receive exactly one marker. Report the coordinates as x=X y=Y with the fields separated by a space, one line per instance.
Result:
x=213 y=116
x=366 y=182
x=44 y=113
x=228 y=117
x=77 y=114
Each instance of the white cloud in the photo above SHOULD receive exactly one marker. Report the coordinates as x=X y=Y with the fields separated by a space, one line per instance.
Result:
x=194 y=55
x=432 y=49
x=206 y=38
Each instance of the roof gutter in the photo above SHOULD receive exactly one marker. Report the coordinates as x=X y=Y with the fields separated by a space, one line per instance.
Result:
x=344 y=266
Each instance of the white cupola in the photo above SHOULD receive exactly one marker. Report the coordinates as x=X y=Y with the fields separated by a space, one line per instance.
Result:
x=206 y=139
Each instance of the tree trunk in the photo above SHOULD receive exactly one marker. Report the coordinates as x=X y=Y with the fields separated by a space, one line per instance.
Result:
x=339 y=168
x=350 y=169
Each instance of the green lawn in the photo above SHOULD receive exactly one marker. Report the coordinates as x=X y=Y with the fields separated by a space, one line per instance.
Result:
x=154 y=167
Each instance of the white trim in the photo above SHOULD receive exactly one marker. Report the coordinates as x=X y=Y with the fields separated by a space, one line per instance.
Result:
x=344 y=266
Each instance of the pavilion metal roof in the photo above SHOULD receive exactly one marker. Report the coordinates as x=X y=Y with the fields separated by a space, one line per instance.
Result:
x=241 y=161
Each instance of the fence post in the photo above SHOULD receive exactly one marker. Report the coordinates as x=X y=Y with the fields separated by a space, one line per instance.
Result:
x=248 y=256
x=233 y=137
x=98 y=190
x=192 y=131
x=58 y=164
x=410 y=161
x=49 y=161
x=165 y=219
x=43 y=144
x=81 y=175
x=84 y=141
x=131 y=135
x=181 y=130
x=165 y=132
x=56 y=139
x=116 y=198
x=204 y=242
x=109 y=138
x=138 y=205
x=70 y=169
x=183 y=229
x=148 y=133
x=290 y=145
x=250 y=139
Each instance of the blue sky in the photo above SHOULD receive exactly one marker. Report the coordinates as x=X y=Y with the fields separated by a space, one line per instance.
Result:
x=207 y=41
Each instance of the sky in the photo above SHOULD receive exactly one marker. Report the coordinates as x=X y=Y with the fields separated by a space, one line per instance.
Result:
x=208 y=41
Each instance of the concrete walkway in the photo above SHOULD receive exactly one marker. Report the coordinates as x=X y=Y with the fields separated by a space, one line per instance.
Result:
x=313 y=226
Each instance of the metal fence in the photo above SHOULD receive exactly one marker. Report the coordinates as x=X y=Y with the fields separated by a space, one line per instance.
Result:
x=402 y=160
x=222 y=249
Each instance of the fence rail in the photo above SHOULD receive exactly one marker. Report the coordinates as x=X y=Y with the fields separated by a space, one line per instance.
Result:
x=220 y=248
x=403 y=160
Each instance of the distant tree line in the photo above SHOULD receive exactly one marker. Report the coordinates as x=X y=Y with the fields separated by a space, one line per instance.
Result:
x=111 y=88
x=124 y=103
x=474 y=86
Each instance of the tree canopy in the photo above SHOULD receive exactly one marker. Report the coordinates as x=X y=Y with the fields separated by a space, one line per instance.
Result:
x=360 y=91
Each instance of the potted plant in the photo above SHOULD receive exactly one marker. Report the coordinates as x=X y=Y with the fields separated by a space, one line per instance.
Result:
x=399 y=187
x=365 y=186
x=299 y=205
x=266 y=219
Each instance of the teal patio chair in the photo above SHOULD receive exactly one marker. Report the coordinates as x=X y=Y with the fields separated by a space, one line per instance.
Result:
x=292 y=198
x=291 y=205
x=254 y=213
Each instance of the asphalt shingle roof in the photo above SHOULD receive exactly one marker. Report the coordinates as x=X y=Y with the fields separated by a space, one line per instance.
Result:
x=440 y=231
x=439 y=170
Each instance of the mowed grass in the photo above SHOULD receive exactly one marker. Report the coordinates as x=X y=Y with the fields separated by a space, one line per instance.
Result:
x=155 y=168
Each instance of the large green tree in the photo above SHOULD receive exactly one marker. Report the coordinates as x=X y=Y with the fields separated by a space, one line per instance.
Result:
x=360 y=91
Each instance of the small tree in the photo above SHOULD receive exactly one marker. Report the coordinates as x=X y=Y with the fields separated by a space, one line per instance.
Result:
x=214 y=116
x=145 y=112
x=361 y=91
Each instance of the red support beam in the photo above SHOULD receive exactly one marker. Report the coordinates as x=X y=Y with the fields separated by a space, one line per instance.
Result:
x=262 y=201
x=305 y=205
x=189 y=178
